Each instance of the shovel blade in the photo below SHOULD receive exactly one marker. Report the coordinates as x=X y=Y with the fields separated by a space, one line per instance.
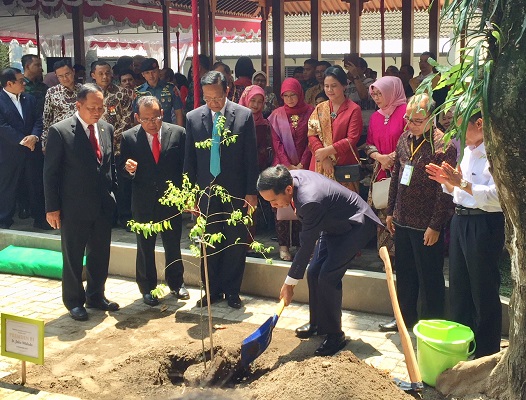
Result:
x=255 y=344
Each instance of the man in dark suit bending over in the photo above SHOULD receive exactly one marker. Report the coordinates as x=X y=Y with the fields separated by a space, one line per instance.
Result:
x=151 y=154
x=79 y=175
x=336 y=223
x=233 y=167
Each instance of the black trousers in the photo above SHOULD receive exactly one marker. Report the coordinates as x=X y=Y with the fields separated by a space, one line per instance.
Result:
x=474 y=279
x=226 y=262
x=332 y=256
x=419 y=274
x=123 y=196
x=92 y=237
x=145 y=270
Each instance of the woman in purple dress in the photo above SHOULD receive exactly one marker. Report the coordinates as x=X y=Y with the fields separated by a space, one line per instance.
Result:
x=289 y=139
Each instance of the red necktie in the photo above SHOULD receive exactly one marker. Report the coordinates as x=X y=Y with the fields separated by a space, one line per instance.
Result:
x=156 y=148
x=94 y=144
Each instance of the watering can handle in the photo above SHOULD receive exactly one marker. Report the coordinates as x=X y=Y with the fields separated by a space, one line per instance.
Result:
x=280 y=307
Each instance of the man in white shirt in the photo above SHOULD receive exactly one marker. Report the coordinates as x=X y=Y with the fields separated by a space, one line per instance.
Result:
x=477 y=240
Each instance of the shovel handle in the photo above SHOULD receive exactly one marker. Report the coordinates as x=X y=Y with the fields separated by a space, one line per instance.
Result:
x=280 y=307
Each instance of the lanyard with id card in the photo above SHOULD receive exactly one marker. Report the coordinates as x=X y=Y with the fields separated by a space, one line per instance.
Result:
x=409 y=168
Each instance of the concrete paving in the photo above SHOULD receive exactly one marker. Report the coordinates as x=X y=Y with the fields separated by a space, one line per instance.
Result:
x=41 y=298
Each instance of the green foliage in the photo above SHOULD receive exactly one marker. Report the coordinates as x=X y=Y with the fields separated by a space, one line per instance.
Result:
x=160 y=291
x=469 y=79
x=4 y=56
x=227 y=138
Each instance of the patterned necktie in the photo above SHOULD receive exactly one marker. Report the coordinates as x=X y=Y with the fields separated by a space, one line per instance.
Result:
x=156 y=148
x=94 y=144
x=215 y=161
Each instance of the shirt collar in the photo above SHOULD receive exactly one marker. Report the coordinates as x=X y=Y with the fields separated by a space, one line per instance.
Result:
x=222 y=110
x=84 y=124
x=479 y=151
x=13 y=96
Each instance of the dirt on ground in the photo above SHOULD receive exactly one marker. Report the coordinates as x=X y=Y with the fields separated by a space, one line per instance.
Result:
x=159 y=355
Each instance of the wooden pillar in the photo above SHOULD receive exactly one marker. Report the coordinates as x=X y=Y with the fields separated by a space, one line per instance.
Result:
x=315 y=26
x=264 y=39
x=434 y=19
x=204 y=40
x=167 y=47
x=37 y=34
x=79 y=52
x=408 y=17
x=212 y=32
x=278 y=43
x=355 y=12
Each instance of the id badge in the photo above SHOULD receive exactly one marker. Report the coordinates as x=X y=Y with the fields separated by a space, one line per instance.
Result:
x=406 y=175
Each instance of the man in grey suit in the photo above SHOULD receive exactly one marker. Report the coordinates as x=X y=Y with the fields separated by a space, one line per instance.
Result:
x=234 y=167
x=151 y=154
x=336 y=223
x=79 y=176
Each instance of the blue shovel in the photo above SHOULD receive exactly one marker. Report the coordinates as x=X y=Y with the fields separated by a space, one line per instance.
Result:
x=254 y=345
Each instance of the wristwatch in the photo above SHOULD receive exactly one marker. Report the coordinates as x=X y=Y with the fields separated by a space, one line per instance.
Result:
x=463 y=183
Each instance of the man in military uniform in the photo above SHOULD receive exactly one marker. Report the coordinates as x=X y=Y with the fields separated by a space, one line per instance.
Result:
x=117 y=112
x=167 y=93
x=32 y=65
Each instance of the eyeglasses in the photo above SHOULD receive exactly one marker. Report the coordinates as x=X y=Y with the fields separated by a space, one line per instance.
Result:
x=22 y=81
x=213 y=99
x=376 y=94
x=290 y=96
x=66 y=75
x=416 y=122
x=151 y=120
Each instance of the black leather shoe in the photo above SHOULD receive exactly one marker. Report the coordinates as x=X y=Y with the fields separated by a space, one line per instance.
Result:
x=332 y=344
x=388 y=327
x=24 y=213
x=234 y=301
x=78 y=314
x=104 y=304
x=306 y=331
x=42 y=225
x=150 y=300
x=181 y=293
x=203 y=302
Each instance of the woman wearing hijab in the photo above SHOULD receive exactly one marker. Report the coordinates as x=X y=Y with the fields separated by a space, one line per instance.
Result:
x=385 y=128
x=271 y=102
x=253 y=97
x=289 y=140
x=335 y=127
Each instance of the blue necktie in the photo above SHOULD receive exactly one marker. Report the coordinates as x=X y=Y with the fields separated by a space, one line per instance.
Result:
x=215 y=162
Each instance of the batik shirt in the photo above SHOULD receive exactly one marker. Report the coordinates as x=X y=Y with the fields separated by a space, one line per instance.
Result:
x=59 y=105
x=118 y=112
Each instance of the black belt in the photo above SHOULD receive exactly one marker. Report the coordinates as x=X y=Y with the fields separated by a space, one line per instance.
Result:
x=459 y=210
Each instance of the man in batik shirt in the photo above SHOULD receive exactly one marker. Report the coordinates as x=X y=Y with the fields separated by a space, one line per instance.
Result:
x=60 y=99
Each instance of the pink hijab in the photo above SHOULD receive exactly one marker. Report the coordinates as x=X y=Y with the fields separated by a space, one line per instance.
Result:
x=393 y=93
x=247 y=95
x=293 y=85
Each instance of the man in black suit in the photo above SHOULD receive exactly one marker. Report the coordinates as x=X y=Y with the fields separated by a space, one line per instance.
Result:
x=233 y=167
x=335 y=223
x=151 y=154
x=20 y=131
x=79 y=176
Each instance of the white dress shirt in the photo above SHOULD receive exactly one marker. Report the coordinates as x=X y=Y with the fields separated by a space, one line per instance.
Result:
x=16 y=102
x=150 y=137
x=85 y=126
x=475 y=169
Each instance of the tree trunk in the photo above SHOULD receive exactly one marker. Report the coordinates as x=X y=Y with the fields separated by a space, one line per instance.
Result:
x=505 y=139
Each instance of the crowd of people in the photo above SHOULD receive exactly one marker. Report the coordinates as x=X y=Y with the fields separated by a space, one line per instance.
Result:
x=83 y=157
